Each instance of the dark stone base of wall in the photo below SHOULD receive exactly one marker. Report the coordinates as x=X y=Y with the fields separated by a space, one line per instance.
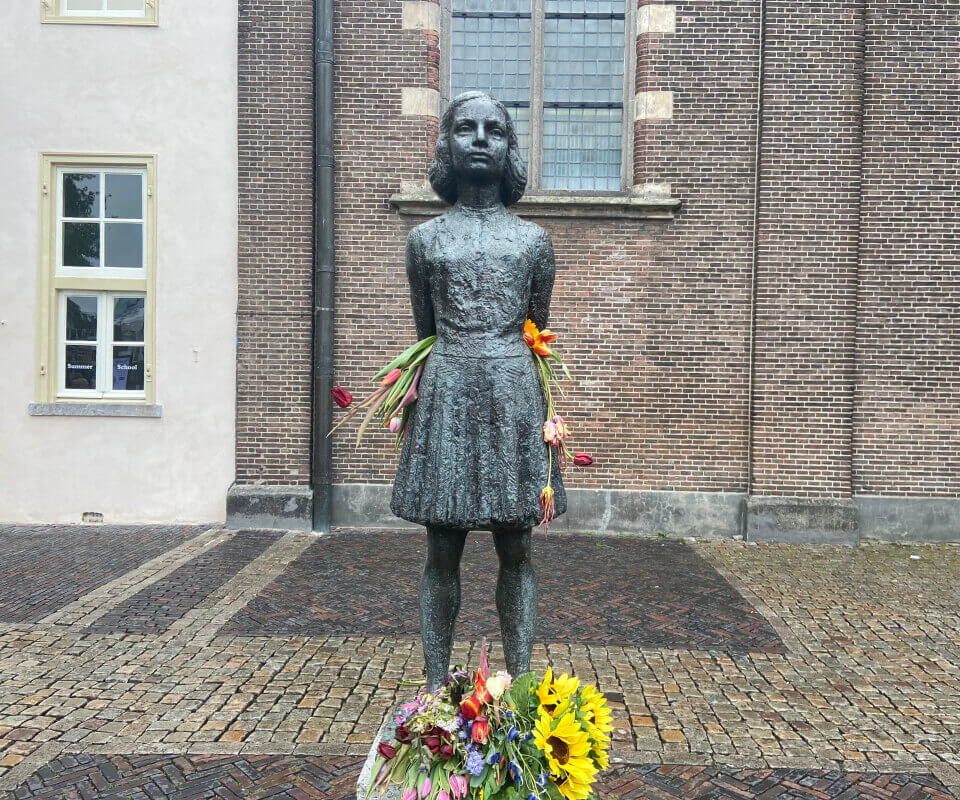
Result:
x=284 y=507
x=675 y=514
x=807 y=520
x=810 y=520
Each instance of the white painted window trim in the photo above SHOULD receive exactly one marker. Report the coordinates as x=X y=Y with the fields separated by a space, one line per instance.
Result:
x=102 y=219
x=104 y=347
x=534 y=168
x=59 y=11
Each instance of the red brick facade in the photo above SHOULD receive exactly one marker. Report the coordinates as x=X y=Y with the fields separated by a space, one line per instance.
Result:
x=856 y=384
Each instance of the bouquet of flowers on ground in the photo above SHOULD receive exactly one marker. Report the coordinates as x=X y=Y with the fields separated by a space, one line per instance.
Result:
x=496 y=737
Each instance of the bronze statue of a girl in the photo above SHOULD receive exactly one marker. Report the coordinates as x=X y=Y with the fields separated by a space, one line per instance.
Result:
x=474 y=457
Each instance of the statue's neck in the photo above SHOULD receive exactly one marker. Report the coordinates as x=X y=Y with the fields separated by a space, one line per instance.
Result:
x=479 y=195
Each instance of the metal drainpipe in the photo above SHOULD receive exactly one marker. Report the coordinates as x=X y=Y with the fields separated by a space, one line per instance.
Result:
x=321 y=473
x=755 y=257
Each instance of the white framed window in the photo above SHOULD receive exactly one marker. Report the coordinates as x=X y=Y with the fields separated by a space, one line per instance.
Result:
x=100 y=222
x=109 y=12
x=564 y=70
x=101 y=345
x=97 y=265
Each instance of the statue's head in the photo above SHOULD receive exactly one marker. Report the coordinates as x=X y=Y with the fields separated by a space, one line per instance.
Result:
x=477 y=142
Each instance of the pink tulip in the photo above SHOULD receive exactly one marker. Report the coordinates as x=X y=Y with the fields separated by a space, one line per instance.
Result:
x=391 y=377
x=409 y=794
x=550 y=435
x=411 y=395
x=425 y=788
x=395 y=424
x=444 y=795
x=458 y=785
x=562 y=430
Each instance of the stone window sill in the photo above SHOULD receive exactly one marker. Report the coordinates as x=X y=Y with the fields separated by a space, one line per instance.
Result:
x=91 y=409
x=641 y=206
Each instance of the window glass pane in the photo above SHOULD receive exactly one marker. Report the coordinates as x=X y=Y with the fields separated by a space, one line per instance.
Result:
x=128 y=319
x=491 y=54
x=509 y=6
x=124 y=196
x=124 y=5
x=81 y=195
x=584 y=7
x=81 y=318
x=583 y=60
x=581 y=148
x=123 y=245
x=128 y=369
x=81 y=244
x=80 y=367
x=83 y=5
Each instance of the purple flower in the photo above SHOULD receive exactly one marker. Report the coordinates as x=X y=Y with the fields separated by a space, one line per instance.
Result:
x=494 y=758
x=512 y=734
x=542 y=779
x=474 y=763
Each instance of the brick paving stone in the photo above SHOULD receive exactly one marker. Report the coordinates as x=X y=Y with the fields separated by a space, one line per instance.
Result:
x=176 y=777
x=160 y=604
x=42 y=568
x=612 y=591
x=658 y=782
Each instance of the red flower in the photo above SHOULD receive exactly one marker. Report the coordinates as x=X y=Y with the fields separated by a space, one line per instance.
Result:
x=481 y=730
x=470 y=707
x=403 y=735
x=341 y=396
x=583 y=460
x=386 y=750
x=446 y=752
x=480 y=690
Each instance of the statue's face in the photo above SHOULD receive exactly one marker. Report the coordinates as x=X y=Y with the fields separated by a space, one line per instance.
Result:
x=478 y=140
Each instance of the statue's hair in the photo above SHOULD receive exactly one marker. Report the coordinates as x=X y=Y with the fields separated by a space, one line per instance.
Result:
x=442 y=177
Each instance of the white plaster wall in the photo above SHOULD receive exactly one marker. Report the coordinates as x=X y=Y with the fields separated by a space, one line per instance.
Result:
x=169 y=90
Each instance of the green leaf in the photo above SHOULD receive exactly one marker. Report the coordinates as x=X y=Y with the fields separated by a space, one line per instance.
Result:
x=477 y=780
x=553 y=792
x=405 y=356
x=518 y=694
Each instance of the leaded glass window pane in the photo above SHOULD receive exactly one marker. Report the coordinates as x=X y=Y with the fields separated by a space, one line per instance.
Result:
x=583 y=60
x=581 y=148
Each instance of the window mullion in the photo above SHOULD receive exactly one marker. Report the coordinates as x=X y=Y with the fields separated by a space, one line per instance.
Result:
x=104 y=326
x=534 y=168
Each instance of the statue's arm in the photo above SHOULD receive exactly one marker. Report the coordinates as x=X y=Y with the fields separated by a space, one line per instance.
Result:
x=420 y=297
x=542 y=286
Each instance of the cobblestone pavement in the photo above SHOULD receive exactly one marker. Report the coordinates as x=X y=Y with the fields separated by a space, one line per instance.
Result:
x=734 y=670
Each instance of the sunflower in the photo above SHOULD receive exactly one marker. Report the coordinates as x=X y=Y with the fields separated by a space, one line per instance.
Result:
x=599 y=721
x=566 y=746
x=553 y=693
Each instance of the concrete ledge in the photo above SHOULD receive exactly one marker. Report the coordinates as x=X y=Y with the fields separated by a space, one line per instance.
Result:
x=677 y=514
x=94 y=409
x=646 y=205
x=802 y=520
x=909 y=519
x=284 y=507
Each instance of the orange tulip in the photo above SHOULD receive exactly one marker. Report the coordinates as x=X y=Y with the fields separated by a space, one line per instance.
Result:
x=538 y=340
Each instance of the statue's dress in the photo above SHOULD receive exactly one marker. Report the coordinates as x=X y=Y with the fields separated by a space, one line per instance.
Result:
x=474 y=456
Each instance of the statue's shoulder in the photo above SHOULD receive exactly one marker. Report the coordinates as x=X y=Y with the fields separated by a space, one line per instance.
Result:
x=533 y=234
x=425 y=231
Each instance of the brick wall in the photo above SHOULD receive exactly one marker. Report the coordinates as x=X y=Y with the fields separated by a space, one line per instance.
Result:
x=653 y=316
x=807 y=265
x=907 y=424
x=275 y=252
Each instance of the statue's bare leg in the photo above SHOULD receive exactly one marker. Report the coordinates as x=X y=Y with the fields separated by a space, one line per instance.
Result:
x=516 y=597
x=440 y=599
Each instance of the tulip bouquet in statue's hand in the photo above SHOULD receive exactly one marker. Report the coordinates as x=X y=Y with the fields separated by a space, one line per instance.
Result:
x=498 y=737
x=393 y=399
x=555 y=430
